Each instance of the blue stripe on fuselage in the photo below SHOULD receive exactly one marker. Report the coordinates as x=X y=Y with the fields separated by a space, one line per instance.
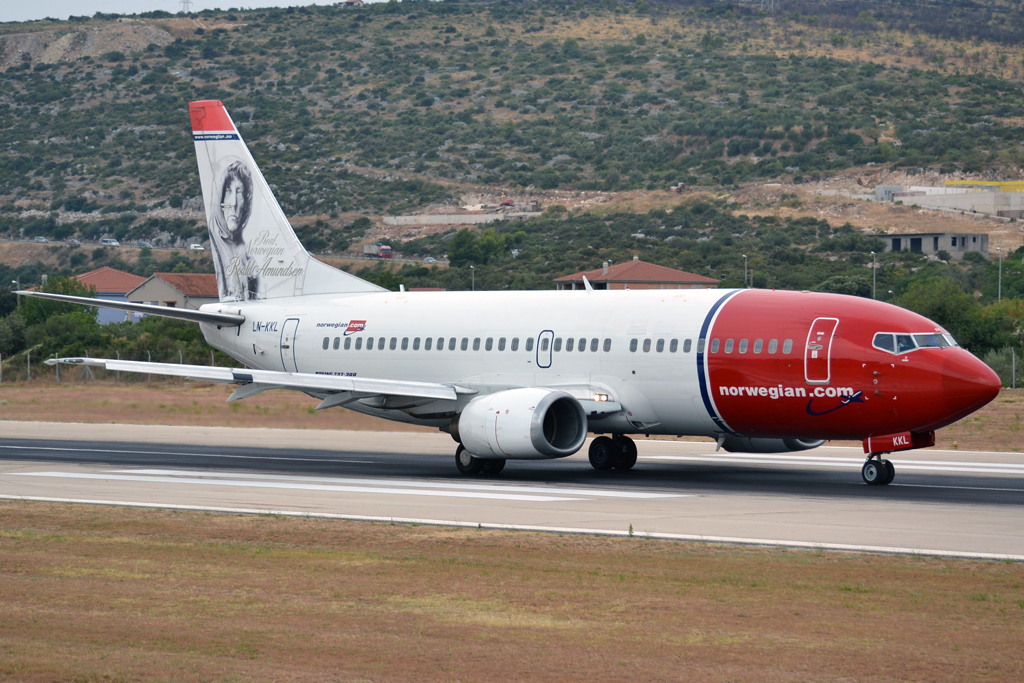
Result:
x=705 y=389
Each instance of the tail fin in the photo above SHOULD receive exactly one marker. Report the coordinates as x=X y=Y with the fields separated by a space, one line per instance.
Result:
x=255 y=251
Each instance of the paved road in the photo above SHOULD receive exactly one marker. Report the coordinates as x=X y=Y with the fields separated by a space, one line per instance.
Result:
x=943 y=501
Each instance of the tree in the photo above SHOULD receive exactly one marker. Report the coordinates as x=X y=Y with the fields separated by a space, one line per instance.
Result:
x=35 y=311
x=841 y=284
x=974 y=327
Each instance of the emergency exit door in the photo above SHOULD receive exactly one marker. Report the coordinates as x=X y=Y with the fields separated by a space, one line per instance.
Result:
x=818 y=352
x=288 y=344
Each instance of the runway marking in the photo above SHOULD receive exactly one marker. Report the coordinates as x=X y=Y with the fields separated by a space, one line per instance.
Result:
x=926 y=465
x=601 y=493
x=382 y=486
x=194 y=455
x=962 y=488
x=693 y=538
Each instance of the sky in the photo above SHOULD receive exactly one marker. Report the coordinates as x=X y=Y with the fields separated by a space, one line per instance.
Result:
x=20 y=10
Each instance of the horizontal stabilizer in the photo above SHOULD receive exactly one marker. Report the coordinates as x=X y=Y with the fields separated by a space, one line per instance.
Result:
x=271 y=379
x=222 y=319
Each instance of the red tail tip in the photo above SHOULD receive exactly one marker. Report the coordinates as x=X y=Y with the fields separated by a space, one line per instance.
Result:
x=209 y=115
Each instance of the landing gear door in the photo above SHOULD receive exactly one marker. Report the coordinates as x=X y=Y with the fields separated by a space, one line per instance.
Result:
x=544 y=341
x=291 y=325
x=817 y=353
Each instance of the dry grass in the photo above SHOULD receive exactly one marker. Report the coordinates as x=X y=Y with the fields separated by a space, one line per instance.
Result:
x=91 y=593
x=996 y=427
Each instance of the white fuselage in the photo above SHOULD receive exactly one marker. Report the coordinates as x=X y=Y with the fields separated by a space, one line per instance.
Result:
x=501 y=340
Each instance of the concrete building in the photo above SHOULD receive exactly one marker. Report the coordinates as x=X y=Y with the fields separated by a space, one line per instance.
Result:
x=992 y=200
x=178 y=290
x=636 y=274
x=111 y=284
x=931 y=243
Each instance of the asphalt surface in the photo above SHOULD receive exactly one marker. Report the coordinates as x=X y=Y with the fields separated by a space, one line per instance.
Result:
x=941 y=502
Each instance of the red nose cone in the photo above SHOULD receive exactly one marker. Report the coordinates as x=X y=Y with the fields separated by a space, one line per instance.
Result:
x=967 y=384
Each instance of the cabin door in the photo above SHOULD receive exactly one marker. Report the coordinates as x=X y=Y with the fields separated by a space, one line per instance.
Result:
x=817 y=353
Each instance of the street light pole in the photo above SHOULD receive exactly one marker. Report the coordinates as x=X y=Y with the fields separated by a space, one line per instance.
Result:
x=745 y=284
x=874 y=274
x=472 y=271
x=999 y=296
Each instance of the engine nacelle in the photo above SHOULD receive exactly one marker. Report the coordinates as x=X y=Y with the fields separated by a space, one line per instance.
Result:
x=742 y=444
x=523 y=424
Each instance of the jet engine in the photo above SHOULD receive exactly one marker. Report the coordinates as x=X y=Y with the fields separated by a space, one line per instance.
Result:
x=742 y=444
x=525 y=424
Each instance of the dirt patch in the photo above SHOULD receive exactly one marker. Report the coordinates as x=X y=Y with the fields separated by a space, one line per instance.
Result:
x=996 y=427
x=171 y=403
x=57 y=255
x=96 y=593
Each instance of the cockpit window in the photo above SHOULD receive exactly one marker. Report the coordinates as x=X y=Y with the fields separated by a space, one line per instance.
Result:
x=883 y=341
x=892 y=342
x=930 y=341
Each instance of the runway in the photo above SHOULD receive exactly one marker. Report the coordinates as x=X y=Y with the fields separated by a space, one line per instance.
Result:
x=941 y=503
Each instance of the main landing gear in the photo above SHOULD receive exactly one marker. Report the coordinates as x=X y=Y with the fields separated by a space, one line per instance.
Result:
x=470 y=464
x=877 y=472
x=618 y=452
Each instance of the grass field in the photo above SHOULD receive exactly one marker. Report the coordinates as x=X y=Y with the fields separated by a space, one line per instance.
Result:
x=110 y=594
x=996 y=427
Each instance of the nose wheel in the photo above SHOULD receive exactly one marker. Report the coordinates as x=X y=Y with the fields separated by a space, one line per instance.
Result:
x=877 y=472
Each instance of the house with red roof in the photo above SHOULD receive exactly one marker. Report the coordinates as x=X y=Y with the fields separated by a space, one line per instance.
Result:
x=179 y=290
x=113 y=285
x=636 y=274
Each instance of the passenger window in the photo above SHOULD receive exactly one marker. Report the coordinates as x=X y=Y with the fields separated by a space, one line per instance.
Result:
x=465 y=343
x=743 y=345
x=582 y=345
x=405 y=343
x=440 y=343
x=369 y=343
x=660 y=346
x=904 y=343
x=570 y=344
x=394 y=343
x=476 y=344
x=700 y=346
x=428 y=343
x=607 y=345
x=327 y=342
x=773 y=346
x=416 y=344
x=501 y=344
x=544 y=344
x=593 y=345
x=787 y=346
x=558 y=344
x=728 y=345
x=884 y=342
x=714 y=345
x=529 y=344
x=632 y=345
x=489 y=344
x=337 y=343
x=687 y=345
x=758 y=345
x=348 y=343
x=673 y=346
x=647 y=345
x=359 y=343
x=451 y=343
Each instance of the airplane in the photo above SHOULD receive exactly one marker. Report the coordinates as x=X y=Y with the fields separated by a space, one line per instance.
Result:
x=528 y=374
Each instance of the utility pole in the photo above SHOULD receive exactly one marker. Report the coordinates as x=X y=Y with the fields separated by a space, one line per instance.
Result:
x=186 y=6
x=999 y=296
x=874 y=274
x=745 y=271
x=472 y=271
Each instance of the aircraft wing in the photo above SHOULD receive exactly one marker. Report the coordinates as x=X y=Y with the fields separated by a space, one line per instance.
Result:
x=222 y=319
x=255 y=381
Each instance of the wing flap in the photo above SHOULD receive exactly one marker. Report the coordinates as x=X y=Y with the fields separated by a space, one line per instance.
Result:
x=271 y=379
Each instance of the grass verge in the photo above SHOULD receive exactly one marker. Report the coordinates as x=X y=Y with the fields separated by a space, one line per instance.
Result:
x=96 y=593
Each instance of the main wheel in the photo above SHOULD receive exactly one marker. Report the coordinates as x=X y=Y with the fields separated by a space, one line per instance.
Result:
x=890 y=472
x=465 y=461
x=873 y=473
x=492 y=466
x=626 y=453
x=602 y=453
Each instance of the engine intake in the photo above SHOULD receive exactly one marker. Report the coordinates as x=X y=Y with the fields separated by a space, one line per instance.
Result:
x=742 y=444
x=523 y=424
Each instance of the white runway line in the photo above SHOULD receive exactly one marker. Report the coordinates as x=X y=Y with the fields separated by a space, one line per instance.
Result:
x=191 y=455
x=457 y=486
x=850 y=463
x=640 y=536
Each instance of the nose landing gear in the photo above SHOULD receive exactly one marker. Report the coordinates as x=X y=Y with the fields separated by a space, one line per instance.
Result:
x=876 y=471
